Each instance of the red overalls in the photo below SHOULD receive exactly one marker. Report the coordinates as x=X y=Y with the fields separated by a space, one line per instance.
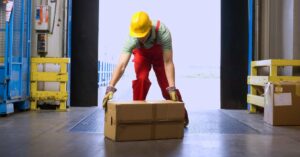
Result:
x=143 y=60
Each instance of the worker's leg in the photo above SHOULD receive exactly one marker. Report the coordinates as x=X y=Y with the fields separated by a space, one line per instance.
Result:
x=163 y=81
x=142 y=83
x=159 y=69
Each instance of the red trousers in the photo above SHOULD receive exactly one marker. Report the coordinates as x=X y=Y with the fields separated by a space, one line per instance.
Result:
x=144 y=60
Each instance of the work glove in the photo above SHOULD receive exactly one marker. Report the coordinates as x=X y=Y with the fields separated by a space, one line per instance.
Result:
x=172 y=93
x=110 y=90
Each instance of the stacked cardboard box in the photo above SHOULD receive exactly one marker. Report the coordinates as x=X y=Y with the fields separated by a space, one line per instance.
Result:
x=144 y=120
x=282 y=103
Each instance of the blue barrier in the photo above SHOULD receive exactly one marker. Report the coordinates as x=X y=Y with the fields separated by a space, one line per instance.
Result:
x=15 y=71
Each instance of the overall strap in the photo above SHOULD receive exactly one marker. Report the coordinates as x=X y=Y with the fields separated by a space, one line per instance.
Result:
x=156 y=30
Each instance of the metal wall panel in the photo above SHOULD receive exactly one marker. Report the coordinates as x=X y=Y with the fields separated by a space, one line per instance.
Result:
x=14 y=71
x=2 y=29
x=277 y=31
x=296 y=34
x=84 y=59
x=15 y=84
x=234 y=54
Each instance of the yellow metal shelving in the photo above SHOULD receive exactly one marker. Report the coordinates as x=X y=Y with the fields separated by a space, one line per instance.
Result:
x=61 y=77
x=255 y=81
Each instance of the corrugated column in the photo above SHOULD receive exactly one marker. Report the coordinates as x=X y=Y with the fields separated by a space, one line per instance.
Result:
x=262 y=29
x=296 y=34
x=281 y=40
x=276 y=31
x=2 y=28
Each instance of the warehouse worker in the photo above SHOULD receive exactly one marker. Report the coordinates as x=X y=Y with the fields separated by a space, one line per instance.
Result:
x=151 y=45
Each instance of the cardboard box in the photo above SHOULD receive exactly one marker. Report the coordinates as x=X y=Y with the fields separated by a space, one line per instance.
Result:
x=144 y=120
x=282 y=104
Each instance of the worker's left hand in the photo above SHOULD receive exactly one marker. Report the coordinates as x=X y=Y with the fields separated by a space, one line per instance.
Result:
x=108 y=96
x=172 y=93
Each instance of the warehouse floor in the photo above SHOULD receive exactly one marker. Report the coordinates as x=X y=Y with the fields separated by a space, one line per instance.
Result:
x=212 y=132
x=79 y=132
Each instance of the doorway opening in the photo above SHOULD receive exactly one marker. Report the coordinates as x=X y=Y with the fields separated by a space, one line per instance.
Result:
x=196 y=34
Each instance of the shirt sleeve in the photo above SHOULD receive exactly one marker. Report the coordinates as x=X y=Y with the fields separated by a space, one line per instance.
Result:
x=164 y=37
x=130 y=44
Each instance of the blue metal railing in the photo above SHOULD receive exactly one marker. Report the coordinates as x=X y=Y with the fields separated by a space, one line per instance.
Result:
x=105 y=70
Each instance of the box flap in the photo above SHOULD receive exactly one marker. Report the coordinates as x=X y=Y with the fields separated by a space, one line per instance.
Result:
x=169 y=111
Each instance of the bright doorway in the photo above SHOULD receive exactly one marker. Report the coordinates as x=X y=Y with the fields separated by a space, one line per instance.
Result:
x=195 y=28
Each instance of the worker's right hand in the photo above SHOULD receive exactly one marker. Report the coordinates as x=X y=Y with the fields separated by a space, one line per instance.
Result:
x=172 y=93
x=110 y=90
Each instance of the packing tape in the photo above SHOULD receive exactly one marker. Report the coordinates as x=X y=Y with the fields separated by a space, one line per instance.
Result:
x=268 y=92
x=267 y=88
x=154 y=117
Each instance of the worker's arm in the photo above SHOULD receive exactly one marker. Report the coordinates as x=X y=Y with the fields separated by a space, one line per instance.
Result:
x=170 y=73
x=169 y=67
x=120 y=68
x=118 y=72
x=165 y=39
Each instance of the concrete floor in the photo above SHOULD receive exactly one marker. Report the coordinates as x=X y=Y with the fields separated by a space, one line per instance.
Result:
x=212 y=132
x=48 y=133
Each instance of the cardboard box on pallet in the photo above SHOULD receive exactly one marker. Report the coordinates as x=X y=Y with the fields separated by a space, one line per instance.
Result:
x=282 y=104
x=144 y=120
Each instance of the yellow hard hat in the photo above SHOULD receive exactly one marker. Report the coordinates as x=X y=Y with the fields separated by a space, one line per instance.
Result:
x=140 y=24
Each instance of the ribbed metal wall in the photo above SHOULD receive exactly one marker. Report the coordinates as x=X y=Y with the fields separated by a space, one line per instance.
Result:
x=26 y=46
x=277 y=31
x=17 y=28
x=2 y=28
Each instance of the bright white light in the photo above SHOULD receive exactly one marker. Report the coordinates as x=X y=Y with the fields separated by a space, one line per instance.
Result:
x=195 y=28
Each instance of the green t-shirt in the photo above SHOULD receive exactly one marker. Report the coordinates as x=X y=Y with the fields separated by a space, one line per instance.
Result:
x=163 y=38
